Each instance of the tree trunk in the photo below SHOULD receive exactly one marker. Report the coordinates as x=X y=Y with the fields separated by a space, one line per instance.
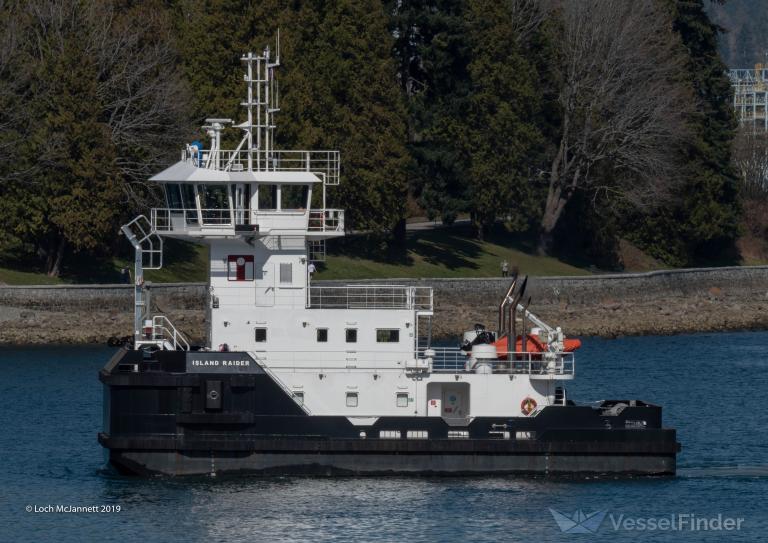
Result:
x=552 y=212
x=53 y=263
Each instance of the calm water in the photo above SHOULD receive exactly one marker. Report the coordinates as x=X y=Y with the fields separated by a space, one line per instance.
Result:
x=714 y=389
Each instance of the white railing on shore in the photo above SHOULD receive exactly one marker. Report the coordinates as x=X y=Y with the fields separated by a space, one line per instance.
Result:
x=326 y=163
x=371 y=297
x=530 y=363
x=177 y=219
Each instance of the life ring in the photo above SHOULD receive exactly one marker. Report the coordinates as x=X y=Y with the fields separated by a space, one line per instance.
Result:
x=527 y=406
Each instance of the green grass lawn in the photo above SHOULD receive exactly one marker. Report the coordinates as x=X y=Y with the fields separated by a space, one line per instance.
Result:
x=182 y=263
x=441 y=252
x=438 y=253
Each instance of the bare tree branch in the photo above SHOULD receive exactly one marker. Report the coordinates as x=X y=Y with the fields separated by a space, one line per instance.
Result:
x=623 y=104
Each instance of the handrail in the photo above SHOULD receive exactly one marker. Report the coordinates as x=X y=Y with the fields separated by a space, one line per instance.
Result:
x=164 y=330
x=451 y=360
x=325 y=162
x=370 y=297
x=318 y=220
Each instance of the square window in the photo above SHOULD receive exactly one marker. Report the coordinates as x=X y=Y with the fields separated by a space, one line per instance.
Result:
x=322 y=335
x=351 y=335
x=286 y=273
x=261 y=335
x=387 y=335
x=351 y=399
x=402 y=399
x=299 y=397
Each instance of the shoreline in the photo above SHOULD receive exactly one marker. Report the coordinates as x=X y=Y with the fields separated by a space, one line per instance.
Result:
x=665 y=302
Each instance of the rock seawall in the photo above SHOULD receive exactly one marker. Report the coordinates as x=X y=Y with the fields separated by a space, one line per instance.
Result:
x=662 y=302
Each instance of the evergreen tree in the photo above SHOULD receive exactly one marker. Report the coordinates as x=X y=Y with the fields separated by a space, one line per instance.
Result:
x=703 y=224
x=339 y=92
x=432 y=51
x=96 y=98
x=504 y=140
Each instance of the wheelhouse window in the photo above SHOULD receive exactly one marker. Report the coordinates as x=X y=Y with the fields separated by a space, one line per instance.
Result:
x=240 y=267
x=351 y=399
x=351 y=335
x=214 y=204
x=189 y=203
x=261 y=335
x=173 y=196
x=322 y=335
x=293 y=197
x=387 y=335
x=267 y=197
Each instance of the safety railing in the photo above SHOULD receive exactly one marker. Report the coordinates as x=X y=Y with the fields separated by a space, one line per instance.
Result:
x=452 y=360
x=326 y=220
x=370 y=297
x=163 y=330
x=170 y=219
x=164 y=335
x=326 y=163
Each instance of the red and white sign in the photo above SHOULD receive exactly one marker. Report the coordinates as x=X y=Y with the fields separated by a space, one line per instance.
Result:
x=240 y=267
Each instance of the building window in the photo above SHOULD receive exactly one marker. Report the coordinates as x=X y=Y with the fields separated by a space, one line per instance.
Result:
x=387 y=335
x=351 y=399
x=402 y=399
x=299 y=397
x=351 y=335
x=240 y=267
x=322 y=335
x=261 y=335
x=286 y=273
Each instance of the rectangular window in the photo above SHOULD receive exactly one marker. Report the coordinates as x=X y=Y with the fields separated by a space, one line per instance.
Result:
x=173 y=196
x=351 y=399
x=387 y=335
x=261 y=335
x=189 y=203
x=351 y=335
x=267 y=197
x=240 y=267
x=293 y=197
x=402 y=399
x=286 y=273
x=299 y=397
x=322 y=335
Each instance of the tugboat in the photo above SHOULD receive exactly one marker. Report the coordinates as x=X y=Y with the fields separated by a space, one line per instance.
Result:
x=300 y=377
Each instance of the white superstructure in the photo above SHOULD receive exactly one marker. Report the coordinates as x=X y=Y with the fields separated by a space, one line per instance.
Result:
x=358 y=351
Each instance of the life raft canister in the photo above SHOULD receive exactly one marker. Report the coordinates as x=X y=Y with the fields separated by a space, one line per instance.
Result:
x=527 y=406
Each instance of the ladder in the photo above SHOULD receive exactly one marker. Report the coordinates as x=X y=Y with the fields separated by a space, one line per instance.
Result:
x=148 y=247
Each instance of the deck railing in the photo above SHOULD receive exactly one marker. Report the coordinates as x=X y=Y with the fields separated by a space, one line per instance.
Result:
x=176 y=219
x=371 y=297
x=451 y=360
x=326 y=163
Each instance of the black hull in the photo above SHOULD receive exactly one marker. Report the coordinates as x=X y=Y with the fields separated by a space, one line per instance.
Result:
x=157 y=422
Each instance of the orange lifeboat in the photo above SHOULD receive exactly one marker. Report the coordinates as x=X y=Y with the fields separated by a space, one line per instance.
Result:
x=534 y=345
